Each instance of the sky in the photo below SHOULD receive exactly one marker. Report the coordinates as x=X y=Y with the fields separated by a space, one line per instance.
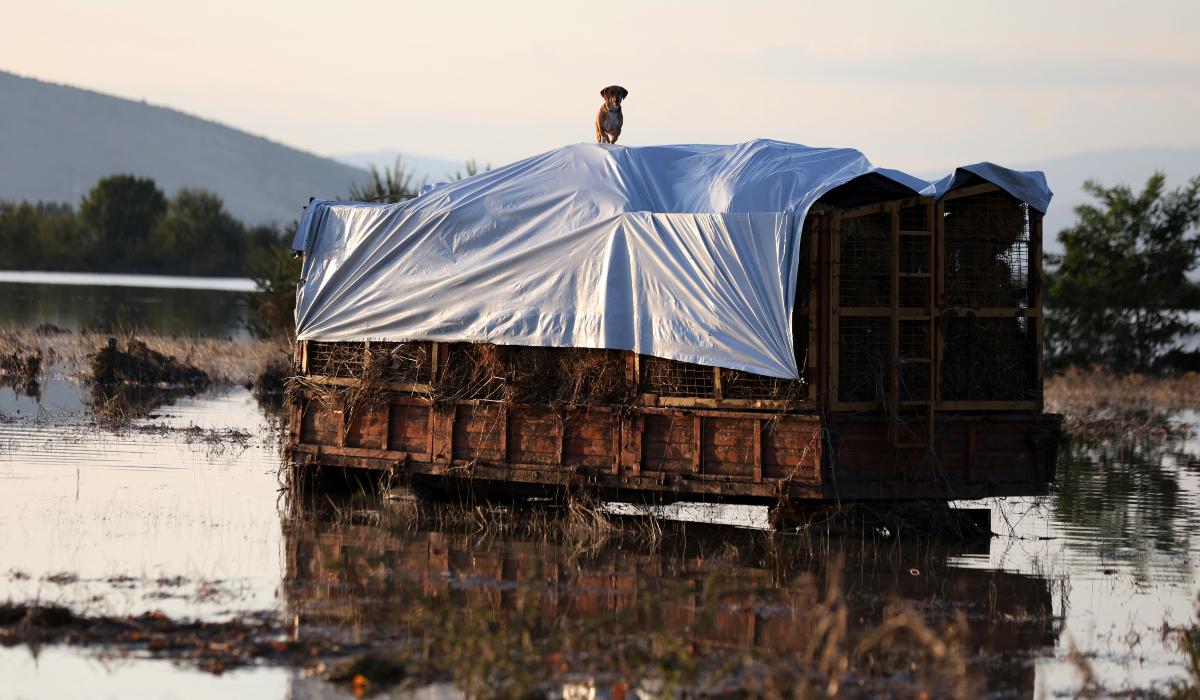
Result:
x=921 y=86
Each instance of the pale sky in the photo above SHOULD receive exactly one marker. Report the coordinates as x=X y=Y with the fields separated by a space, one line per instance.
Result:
x=914 y=85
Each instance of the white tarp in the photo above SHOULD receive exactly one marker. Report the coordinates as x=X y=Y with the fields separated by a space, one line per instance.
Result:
x=682 y=252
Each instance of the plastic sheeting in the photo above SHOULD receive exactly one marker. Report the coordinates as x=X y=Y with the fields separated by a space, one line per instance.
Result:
x=1028 y=186
x=682 y=252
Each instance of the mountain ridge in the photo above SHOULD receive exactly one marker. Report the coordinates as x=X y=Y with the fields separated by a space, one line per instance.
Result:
x=58 y=140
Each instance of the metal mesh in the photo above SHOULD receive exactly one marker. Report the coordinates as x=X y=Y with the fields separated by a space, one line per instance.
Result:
x=344 y=360
x=736 y=384
x=914 y=254
x=674 y=378
x=914 y=381
x=914 y=338
x=914 y=218
x=914 y=292
x=865 y=272
x=804 y=272
x=474 y=371
x=402 y=362
x=988 y=359
x=987 y=252
x=864 y=347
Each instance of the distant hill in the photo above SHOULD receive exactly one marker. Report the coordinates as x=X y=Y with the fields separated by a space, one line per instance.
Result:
x=1128 y=166
x=57 y=141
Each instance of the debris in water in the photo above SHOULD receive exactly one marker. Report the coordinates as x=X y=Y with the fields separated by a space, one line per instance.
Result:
x=139 y=364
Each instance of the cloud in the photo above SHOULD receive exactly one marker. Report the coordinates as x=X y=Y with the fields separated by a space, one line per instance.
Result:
x=971 y=71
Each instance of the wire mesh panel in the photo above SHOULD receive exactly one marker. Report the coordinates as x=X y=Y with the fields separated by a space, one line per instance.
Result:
x=474 y=371
x=914 y=218
x=675 y=378
x=913 y=380
x=988 y=359
x=864 y=348
x=575 y=376
x=343 y=360
x=804 y=272
x=987 y=251
x=401 y=362
x=866 y=261
x=736 y=384
x=914 y=292
x=914 y=254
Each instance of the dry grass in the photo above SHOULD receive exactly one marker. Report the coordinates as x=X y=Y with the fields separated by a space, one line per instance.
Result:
x=1100 y=404
x=67 y=355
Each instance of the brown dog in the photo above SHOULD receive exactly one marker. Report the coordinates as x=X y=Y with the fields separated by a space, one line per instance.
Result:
x=609 y=120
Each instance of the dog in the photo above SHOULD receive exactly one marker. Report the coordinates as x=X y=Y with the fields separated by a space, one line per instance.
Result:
x=609 y=120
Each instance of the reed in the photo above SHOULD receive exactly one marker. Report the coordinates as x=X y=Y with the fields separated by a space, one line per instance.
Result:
x=1098 y=403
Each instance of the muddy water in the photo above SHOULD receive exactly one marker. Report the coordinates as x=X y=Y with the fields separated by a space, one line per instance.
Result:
x=183 y=513
x=210 y=307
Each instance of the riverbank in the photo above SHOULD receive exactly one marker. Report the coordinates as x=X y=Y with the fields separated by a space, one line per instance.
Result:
x=66 y=355
x=1097 y=403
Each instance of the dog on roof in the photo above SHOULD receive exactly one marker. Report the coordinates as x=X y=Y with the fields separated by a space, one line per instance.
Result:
x=609 y=120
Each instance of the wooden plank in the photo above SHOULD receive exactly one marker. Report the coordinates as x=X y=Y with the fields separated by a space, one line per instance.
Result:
x=728 y=404
x=698 y=454
x=533 y=435
x=409 y=428
x=894 y=313
x=717 y=393
x=938 y=340
x=833 y=325
x=1035 y=294
x=915 y=313
x=757 y=441
x=304 y=357
x=559 y=430
x=632 y=373
x=406 y=387
x=815 y=293
x=441 y=448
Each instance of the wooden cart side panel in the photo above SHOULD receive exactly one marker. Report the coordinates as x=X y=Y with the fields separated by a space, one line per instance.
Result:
x=668 y=443
x=533 y=435
x=589 y=437
x=319 y=425
x=479 y=434
x=728 y=446
x=408 y=428
x=792 y=449
x=369 y=428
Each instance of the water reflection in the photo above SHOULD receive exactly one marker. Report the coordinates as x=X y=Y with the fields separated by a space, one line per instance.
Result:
x=165 y=310
x=719 y=592
x=1130 y=501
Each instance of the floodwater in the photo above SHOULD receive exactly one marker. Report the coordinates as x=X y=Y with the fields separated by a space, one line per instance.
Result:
x=185 y=513
x=210 y=307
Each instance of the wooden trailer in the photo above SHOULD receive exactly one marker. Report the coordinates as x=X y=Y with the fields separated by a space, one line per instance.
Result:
x=918 y=328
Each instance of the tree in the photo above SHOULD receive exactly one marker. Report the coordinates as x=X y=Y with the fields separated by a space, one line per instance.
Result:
x=395 y=181
x=120 y=210
x=272 y=306
x=197 y=236
x=472 y=170
x=1119 y=293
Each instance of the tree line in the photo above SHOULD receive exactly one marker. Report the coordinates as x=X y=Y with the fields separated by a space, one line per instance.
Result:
x=1119 y=294
x=127 y=224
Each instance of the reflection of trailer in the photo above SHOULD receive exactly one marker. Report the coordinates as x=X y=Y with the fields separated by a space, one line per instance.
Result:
x=917 y=330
